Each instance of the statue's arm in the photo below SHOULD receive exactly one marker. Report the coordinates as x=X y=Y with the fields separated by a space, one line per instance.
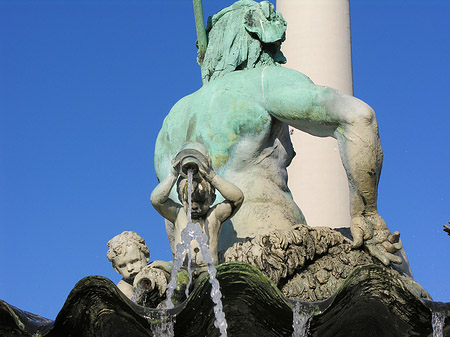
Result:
x=292 y=98
x=160 y=198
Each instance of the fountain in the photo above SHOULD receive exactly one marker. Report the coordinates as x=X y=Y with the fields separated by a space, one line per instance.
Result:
x=263 y=262
x=192 y=232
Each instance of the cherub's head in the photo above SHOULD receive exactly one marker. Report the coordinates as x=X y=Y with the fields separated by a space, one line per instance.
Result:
x=203 y=196
x=128 y=254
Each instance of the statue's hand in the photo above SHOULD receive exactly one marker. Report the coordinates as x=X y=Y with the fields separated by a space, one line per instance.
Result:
x=175 y=170
x=372 y=232
x=206 y=172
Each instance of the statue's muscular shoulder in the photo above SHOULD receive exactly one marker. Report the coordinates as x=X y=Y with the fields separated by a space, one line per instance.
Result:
x=224 y=113
x=220 y=115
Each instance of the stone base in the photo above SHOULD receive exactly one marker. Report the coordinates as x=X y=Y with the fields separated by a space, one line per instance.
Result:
x=373 y=301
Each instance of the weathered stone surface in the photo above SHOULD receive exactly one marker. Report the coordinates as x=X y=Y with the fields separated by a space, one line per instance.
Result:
x=280 y=254
x=16 y=322
x=373 y=301
x=306 y=263
x=96 y=307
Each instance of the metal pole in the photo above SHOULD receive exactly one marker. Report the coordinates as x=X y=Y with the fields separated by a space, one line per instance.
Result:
x=201 y=31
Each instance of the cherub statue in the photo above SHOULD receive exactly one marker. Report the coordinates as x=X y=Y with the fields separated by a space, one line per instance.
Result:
x=242 y=116
x=129 y=255
x=203 y=212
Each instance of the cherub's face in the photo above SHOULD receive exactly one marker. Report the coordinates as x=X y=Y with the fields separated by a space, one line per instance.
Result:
x=130 y=263
x=201 y=200
x=199 y=207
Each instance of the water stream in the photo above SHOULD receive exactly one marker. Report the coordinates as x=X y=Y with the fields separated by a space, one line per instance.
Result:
x=437 y=322
x=164 y=326
x=301 y=319
x=193 y=231
x=138 y=293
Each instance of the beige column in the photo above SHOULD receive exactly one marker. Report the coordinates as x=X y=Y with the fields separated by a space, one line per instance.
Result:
x=318 y=44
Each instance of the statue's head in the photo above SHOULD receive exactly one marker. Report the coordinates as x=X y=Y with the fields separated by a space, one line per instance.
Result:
x=128 y=254
x=203 y=196
x=245 y=35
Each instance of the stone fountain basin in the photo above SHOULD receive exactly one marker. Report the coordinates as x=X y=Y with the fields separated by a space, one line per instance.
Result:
x=372 y=302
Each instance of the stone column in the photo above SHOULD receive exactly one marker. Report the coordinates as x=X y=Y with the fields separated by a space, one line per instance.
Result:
x=318 y=44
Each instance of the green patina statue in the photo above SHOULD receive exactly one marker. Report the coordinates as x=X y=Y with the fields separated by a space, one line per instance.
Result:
x=241 y=115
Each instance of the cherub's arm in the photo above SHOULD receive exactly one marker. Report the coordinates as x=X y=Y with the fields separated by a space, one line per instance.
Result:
x=160 y=197
x=232 y=194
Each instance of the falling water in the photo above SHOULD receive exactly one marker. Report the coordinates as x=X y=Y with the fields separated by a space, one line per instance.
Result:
x=181 y=249
x=301 y=320
x=161 y=322
x=189 y=269
x=437 y=321
x=138 y=293
x=164 y=326
x=216 y=295
x=193 y=231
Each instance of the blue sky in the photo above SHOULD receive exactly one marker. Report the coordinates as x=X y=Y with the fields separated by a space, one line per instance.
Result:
x=85 y=86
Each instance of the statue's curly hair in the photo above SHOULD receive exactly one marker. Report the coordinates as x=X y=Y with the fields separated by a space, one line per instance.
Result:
x=117 y=245
x=244 y=35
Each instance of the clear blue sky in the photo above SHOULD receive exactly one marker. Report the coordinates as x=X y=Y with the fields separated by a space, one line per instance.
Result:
x=84 y=88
